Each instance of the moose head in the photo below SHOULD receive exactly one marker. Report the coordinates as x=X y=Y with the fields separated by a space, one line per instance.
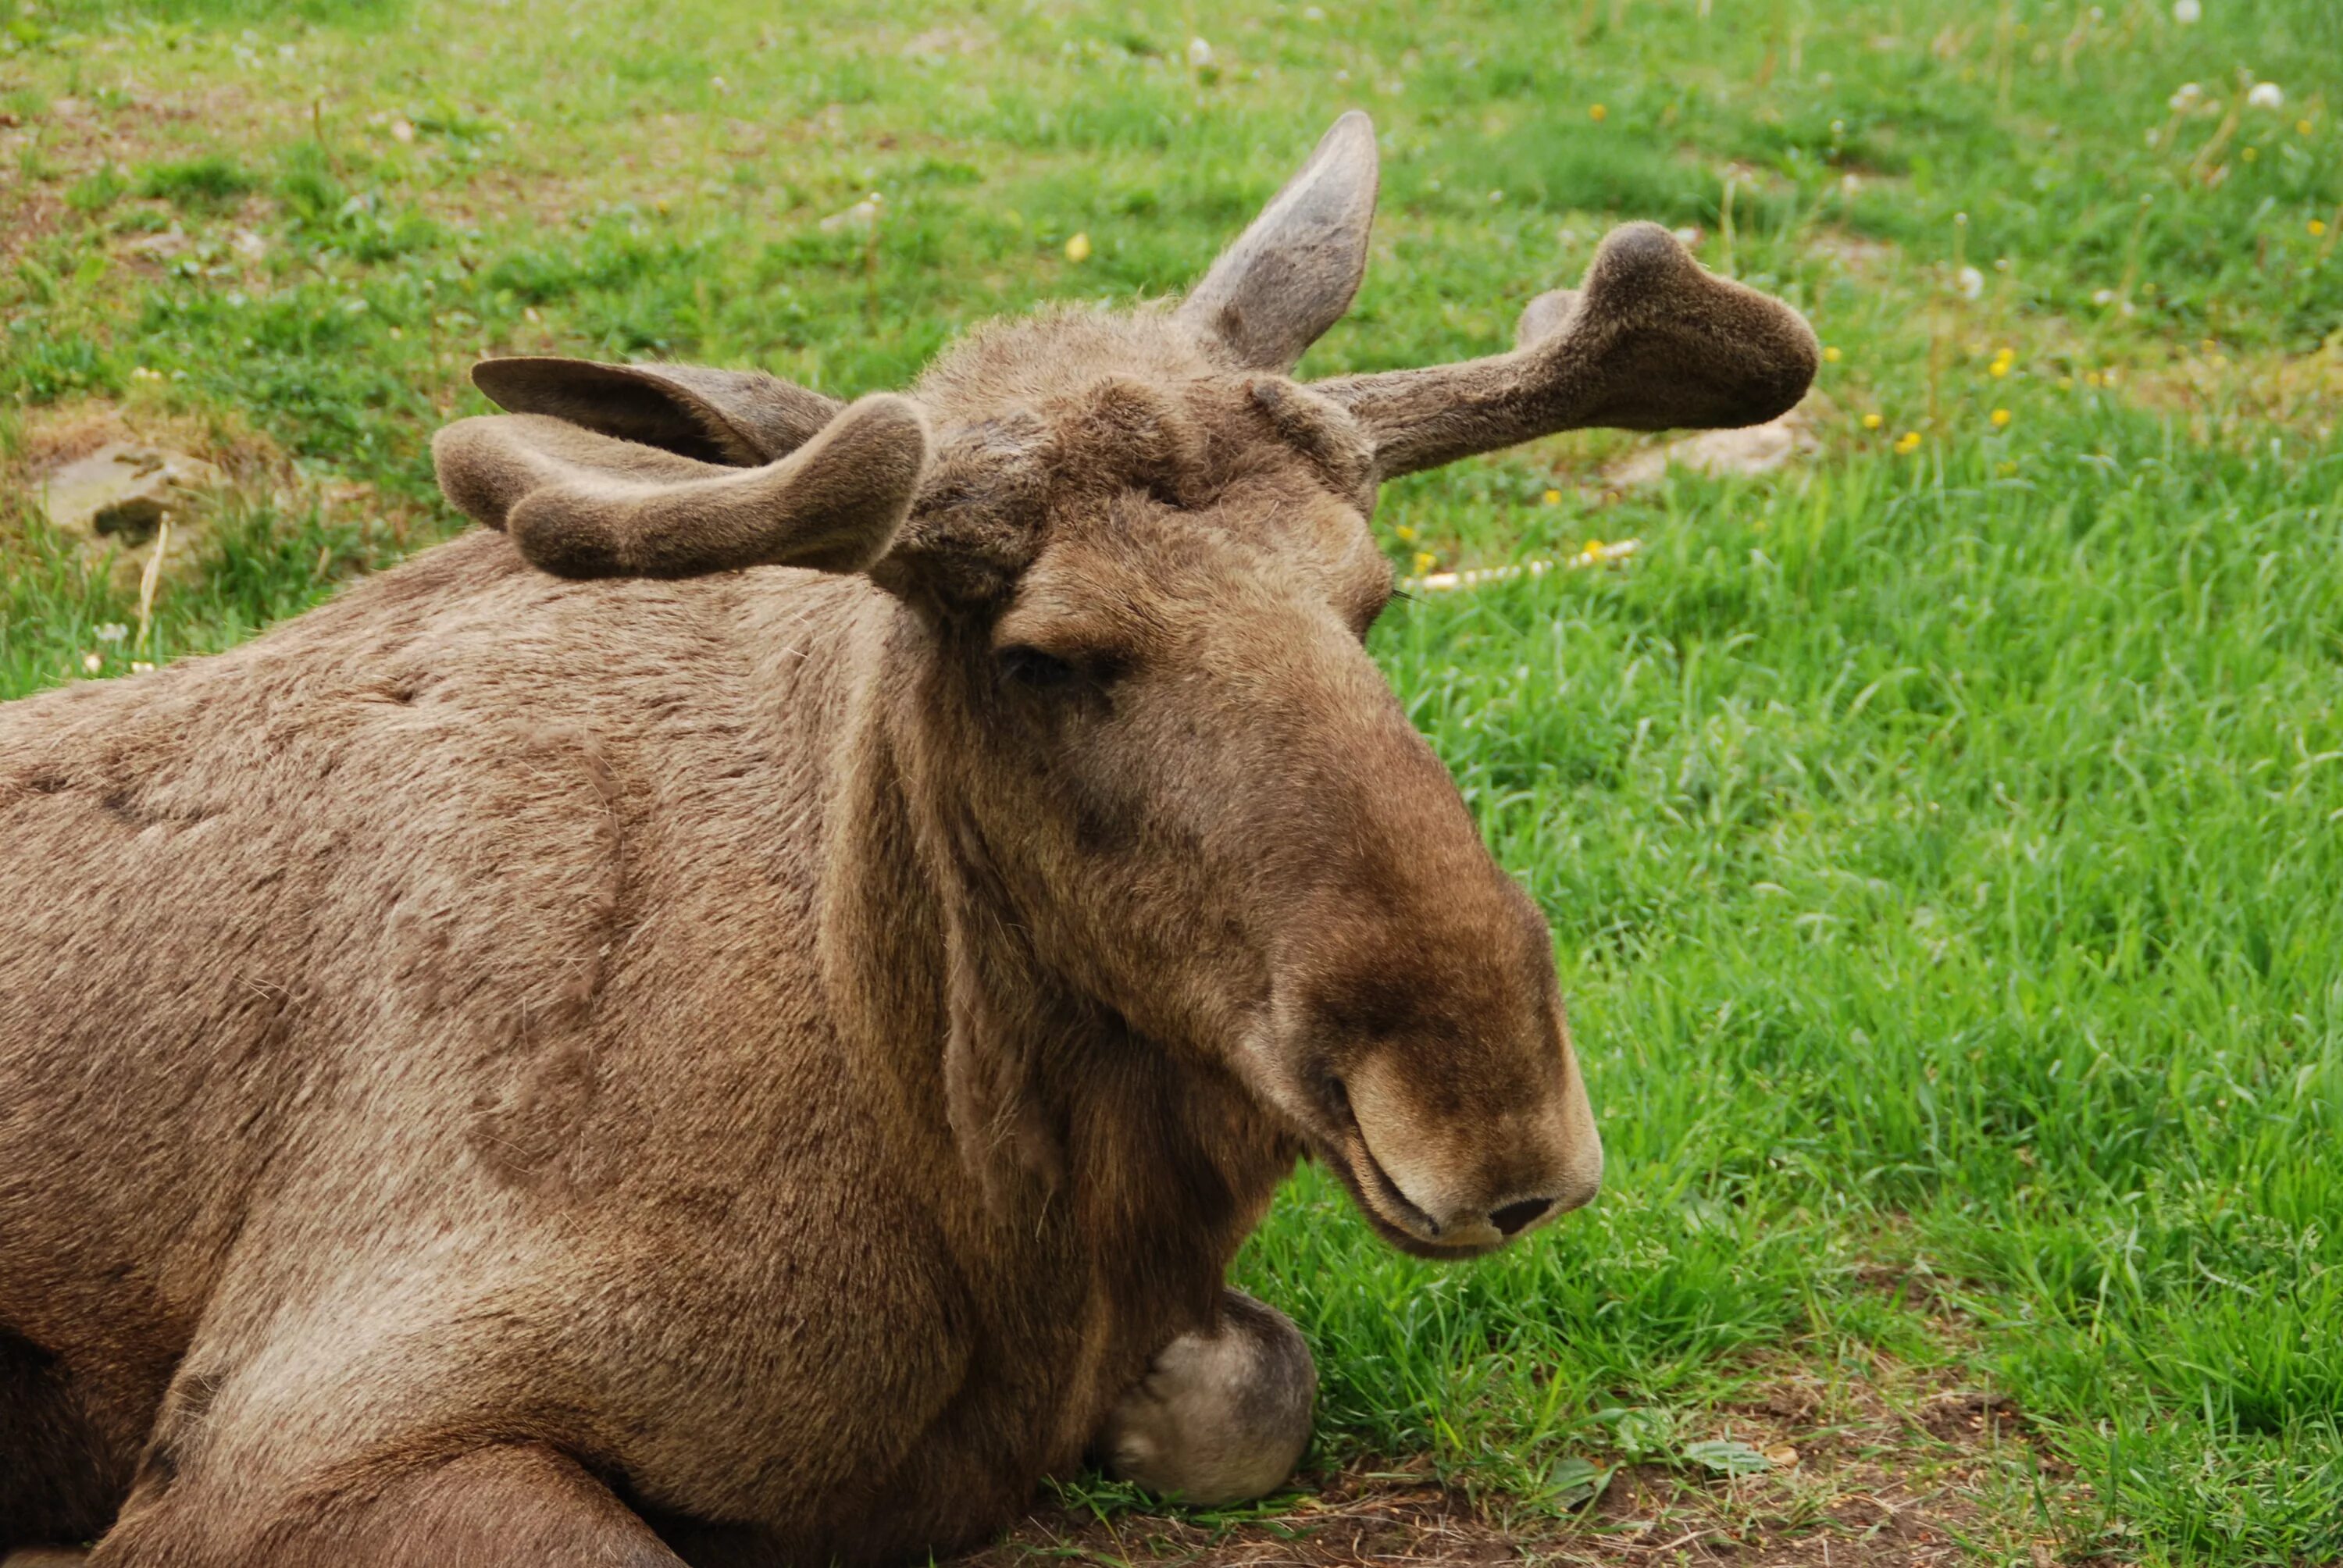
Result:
x=1124 y=564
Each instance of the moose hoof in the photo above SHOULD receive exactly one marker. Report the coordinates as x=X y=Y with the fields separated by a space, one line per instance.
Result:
x=1219 y=1418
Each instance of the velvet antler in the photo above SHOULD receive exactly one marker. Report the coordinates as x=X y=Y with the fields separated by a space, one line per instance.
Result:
x=583 y=504
x=1650 y=341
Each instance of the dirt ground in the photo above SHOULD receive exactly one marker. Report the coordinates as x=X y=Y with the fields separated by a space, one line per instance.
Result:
x=1861 y=1480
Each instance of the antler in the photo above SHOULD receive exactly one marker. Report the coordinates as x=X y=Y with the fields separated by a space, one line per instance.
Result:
x=582 y=505
x=1650 y=341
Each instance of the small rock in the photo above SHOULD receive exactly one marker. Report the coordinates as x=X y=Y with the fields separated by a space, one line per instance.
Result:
x=862 y=215
x=1756 y=449
x=121 y=491
x=171 y=242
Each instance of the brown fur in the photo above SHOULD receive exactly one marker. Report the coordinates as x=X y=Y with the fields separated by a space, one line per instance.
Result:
x=753 y=1065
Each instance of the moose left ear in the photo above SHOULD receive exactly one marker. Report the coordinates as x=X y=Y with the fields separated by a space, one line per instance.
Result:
x=1291 y=275
x=742 y=417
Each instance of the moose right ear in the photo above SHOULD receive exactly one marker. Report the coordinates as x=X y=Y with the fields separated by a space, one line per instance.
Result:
x=744 y=418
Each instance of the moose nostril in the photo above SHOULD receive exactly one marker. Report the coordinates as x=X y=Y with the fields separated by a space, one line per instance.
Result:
x=1515 y=1217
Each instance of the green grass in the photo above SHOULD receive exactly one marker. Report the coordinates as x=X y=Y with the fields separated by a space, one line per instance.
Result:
x=1943 y=846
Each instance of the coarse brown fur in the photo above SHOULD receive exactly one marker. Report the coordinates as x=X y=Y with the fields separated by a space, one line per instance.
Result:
x=748 y=1063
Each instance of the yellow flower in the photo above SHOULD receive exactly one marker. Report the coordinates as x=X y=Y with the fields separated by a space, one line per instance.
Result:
x=1552 y=498
x=1872 y=421
x=1424 y=562
x=1830 y=355
x=1597 y=112
x=1909 y=441
x=2000 y=418
x=1406 y=534
x=1078 y=247
x=2318 y=226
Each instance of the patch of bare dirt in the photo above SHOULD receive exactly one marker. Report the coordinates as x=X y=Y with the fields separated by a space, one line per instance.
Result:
x=42 y=158
x=1857 y=254
x=2220 y=397
x=1863 y=1474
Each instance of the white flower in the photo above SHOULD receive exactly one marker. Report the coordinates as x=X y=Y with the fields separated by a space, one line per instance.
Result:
x=2187 y=13
x=1970 y=282
x=1200 y=53
x=2266 y=96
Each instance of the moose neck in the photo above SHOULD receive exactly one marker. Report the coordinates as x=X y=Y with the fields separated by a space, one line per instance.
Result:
x=1029 y=1109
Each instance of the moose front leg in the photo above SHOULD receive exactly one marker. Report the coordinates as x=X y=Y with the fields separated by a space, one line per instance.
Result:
x=518 y=1505
x=1219 y=1417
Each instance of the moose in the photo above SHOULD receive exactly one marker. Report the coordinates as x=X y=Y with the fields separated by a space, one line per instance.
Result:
x=739 y=1013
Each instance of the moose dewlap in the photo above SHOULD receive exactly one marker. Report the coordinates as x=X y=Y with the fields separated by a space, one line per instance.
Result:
x=739 y=1013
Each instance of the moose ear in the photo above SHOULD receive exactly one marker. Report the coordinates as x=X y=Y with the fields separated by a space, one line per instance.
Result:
x=580 y=504
x=1291 y=275
x=743 y=417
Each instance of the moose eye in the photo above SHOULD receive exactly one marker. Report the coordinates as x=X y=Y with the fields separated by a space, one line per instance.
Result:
x=1035 y=670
